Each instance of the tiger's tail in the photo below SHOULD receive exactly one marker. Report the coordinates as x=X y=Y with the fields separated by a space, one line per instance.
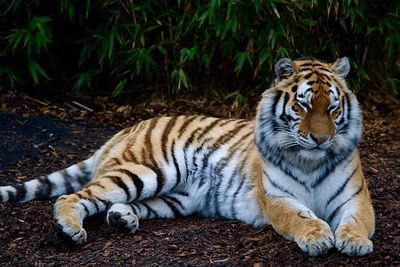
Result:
x=62 y=182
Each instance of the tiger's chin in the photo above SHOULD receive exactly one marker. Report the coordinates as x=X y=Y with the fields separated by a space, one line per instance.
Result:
x=314 y=154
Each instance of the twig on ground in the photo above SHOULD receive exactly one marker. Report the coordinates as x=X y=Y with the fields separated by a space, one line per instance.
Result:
x=82 y=106
x=37 y=100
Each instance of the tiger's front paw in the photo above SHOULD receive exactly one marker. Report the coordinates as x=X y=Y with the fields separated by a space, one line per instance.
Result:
x=122 y=216
x=350 y=242
x=317 y=239
x=69 y=222
x=73 y=232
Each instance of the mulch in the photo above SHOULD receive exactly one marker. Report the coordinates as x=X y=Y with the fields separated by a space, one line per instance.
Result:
x=38 y=136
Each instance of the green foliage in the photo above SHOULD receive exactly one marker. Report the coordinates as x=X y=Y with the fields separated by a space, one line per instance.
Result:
x=190 y=45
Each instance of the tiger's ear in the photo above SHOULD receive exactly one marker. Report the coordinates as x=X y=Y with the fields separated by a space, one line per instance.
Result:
x=342 y=66
x=283 y=67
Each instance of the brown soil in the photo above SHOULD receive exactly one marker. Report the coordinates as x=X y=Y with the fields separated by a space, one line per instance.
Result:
x=34 y=145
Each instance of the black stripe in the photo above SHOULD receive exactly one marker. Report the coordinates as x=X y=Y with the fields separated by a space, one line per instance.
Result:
x=210 y=176
x=322 y=76
x=185 y=125
x=178 y=171
x=285 y=101
x=331 y=108
x=233 y=149
x=67 y=181
x=306 y=64
x=354 y=218
x=160 y=179
x=275 y=103
x=83 y=179
x=277 y=161
x=171 y=205
x=308 y=90
x=308 y=75
x=149 y=145
x=323 y=176
x=176 y=201
x=227 y=136
x=233 y=211
x=97 y=183
x=280 y=188
x=324 y=69
x=85 y=208
x=341 y=188
x=106 y=203
x=222 y=140
x=147 y=137
x=185 y=147
x=209 y=128
x=93 y=201
x=183 y=193
x=117 y=161
x=283 y=116
x=191 y=138
x=136 y=181
x=199 y=152
x=125 y=156
x=11 y=196
x=331 y=165
x=295 y=124
x=150 y=210
x=119 y=182
x=341 y=119
x=347 y=97
x=329 y=168
x=334 y=213
x=164 y=137
x=20 y=193
x=45 y=189
x=345 y=127
x=302 y=216
x=136 y=209
x=305 y=105
x=239 y=170
x=227 y=121
x=129 y=156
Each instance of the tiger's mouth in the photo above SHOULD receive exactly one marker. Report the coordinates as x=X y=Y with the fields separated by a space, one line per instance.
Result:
x=310 y=145
x=321 y=147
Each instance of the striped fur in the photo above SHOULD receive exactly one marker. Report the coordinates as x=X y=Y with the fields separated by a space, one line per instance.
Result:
x=295 y=166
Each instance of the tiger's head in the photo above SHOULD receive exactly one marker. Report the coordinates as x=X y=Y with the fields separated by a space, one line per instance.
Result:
x=308 y=116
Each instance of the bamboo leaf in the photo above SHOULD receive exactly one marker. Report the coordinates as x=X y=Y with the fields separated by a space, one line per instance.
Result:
x=119 y=88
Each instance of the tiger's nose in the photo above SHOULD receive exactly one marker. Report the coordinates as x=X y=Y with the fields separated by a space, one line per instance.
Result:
x=319 y=138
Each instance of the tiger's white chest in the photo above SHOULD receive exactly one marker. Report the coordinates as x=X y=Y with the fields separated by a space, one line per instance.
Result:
x=318 y=191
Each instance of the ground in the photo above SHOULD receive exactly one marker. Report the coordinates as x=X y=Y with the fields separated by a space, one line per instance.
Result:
x=39 y=136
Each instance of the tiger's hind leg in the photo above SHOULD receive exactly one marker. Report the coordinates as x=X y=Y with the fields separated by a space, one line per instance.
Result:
x=126 y=184
x=126 y=216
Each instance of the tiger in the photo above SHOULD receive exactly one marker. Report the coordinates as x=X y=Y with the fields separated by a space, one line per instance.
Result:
x=295 y=166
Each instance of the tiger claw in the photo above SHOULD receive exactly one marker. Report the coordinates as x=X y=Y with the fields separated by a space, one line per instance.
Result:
x=77 y=236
